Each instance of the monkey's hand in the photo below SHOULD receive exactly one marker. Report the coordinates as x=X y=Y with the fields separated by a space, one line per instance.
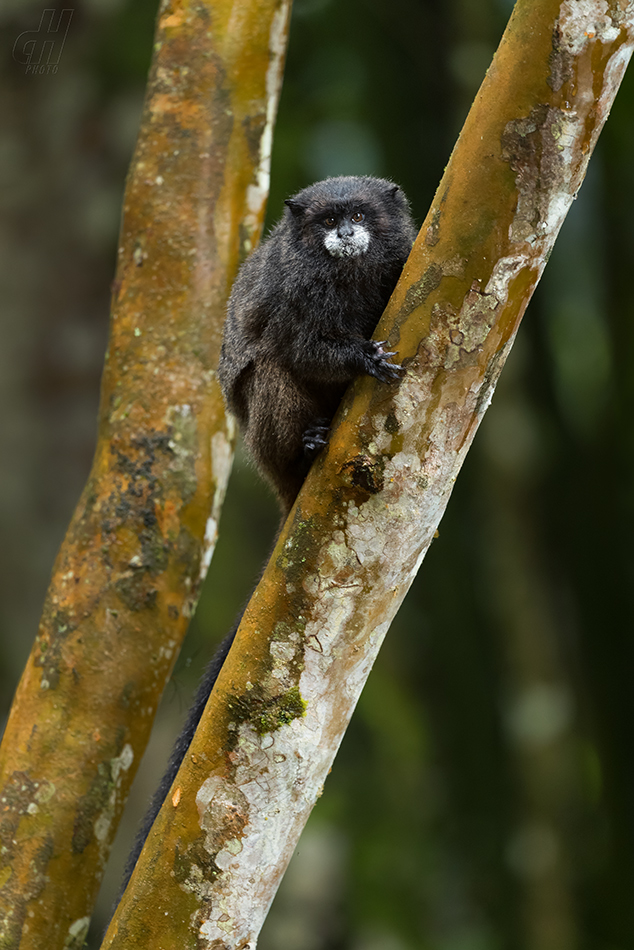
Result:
x=377 y=362
x=315 y=437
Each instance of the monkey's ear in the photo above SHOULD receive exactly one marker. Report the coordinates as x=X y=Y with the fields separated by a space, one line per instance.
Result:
x=296 y=207
x=393 y=190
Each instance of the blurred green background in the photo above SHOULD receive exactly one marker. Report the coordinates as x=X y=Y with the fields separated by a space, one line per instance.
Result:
x=483 y=798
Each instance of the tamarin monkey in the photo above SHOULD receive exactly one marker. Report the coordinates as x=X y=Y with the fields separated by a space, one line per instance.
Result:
x=300 y=317
x=299 y=321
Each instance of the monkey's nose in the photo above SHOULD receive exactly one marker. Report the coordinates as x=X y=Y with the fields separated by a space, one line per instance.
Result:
x=345 y=229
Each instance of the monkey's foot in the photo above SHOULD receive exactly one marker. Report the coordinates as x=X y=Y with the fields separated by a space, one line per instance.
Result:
x=379 y=364
x=315 y=437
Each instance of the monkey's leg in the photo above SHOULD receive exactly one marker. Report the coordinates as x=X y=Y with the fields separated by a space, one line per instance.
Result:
x=280 y=412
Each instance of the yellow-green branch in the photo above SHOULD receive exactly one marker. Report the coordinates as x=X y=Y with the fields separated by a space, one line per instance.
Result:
x=129 y=571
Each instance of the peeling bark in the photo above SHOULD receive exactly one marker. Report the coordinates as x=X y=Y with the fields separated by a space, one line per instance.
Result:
x=372 y=502
x=127 y=577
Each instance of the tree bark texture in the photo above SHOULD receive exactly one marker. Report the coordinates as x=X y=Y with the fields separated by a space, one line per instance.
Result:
x=127 y=577
x=372 y=502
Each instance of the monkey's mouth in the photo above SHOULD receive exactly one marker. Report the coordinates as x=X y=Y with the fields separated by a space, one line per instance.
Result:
x=352 y=245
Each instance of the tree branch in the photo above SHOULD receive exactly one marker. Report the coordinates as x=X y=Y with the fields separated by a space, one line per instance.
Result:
x=127 y=577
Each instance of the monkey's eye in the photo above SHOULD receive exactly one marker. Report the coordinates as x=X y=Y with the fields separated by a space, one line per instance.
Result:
x=357 y=217
x=330 y=222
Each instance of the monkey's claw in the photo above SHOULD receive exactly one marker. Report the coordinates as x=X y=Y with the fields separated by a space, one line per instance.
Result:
x=380 y=367
x=315 y=438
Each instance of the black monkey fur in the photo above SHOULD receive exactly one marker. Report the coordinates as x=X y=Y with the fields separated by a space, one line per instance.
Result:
x=299 y=321
x=300 y=317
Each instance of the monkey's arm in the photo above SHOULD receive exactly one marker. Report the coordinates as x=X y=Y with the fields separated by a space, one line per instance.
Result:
x=339 y=359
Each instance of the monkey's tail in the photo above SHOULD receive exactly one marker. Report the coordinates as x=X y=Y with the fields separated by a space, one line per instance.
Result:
x=183 y=741
x=179 y=751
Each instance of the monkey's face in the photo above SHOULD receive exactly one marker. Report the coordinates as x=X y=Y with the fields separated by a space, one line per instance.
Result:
x=349 y=218
x=345 y=234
